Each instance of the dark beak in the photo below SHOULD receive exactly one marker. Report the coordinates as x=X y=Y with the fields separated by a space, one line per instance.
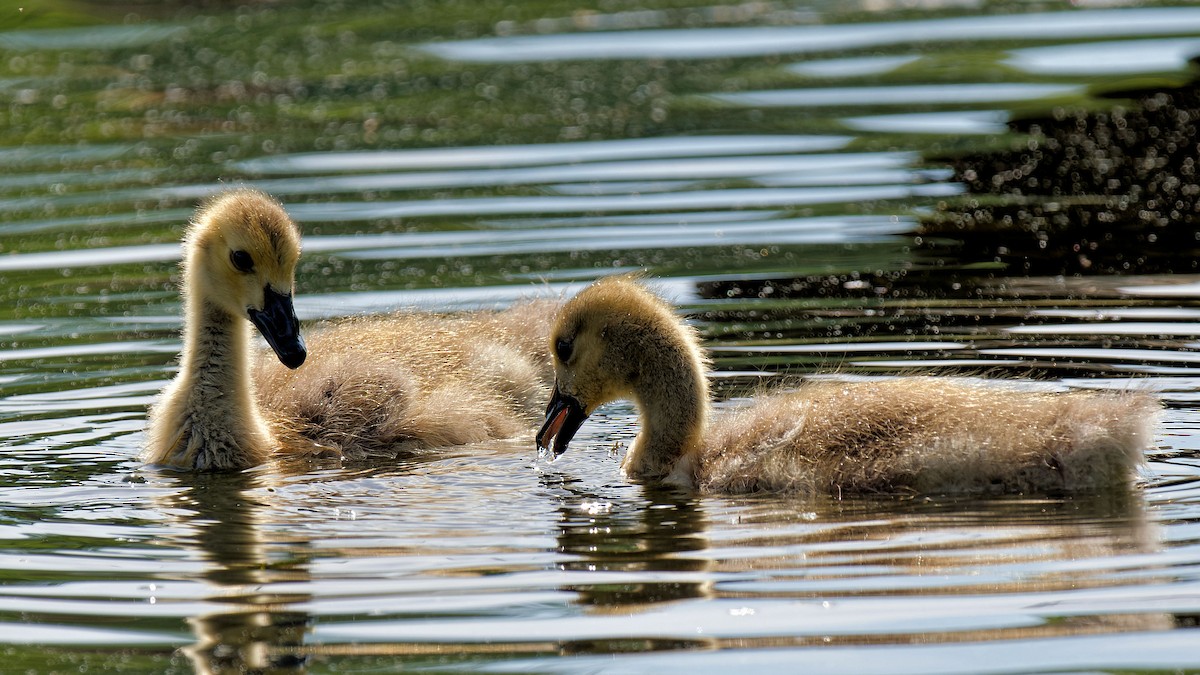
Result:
x=564 y=416
x=278 y=324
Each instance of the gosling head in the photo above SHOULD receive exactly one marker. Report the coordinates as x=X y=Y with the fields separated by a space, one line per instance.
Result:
x=242 y=250
x=608 y=343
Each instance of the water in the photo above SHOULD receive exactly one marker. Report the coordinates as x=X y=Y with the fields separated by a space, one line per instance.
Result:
x=832 y=190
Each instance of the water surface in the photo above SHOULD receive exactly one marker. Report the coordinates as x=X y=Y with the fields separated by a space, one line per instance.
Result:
x=840 y=190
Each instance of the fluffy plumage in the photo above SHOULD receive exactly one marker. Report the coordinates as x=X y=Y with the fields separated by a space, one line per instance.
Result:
x=617 y=340
x=376 y=386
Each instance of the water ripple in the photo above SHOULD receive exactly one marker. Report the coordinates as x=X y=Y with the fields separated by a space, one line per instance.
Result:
x=710 y=43
x=512 y=156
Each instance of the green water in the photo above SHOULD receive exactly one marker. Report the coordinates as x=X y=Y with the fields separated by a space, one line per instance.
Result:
x=855 y=190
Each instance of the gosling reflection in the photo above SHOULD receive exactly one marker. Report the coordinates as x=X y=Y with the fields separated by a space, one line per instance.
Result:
x=253 y=630
x=659 y=530
x=1036 y=557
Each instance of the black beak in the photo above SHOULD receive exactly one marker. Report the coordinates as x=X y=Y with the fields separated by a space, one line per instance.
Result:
x=564 y=416
x=278 y=324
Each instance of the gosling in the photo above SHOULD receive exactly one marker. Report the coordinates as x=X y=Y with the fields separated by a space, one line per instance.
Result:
x=376 y=387
x=617 y=340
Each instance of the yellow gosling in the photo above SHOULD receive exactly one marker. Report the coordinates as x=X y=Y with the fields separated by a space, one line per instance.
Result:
x=374 y=387
x=617 y=340
x=240 y=255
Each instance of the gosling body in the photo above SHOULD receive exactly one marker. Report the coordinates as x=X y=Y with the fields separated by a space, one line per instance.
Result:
x=617 y=340
x=383 y=385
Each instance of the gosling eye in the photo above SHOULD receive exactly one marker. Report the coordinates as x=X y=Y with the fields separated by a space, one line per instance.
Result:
x=242 y=261
x=563 y=349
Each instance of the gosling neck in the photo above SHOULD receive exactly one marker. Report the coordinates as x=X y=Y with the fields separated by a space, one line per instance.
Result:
x=226 y=429
x=214 y=356
x=671 y=394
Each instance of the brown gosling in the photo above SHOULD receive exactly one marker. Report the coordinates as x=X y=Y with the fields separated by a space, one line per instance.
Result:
x=375 y=387
x=617 y=340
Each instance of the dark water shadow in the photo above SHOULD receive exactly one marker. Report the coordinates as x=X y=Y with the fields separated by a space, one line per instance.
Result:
x=1109 y=189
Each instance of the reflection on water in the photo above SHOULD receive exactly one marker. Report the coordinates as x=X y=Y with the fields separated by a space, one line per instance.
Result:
x=847 y=190
x=958 y=122
x=658 y=537
x=1107 y=58
x=565 y=154
x=896 y=95
x=250 y=629
x=762 y=41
